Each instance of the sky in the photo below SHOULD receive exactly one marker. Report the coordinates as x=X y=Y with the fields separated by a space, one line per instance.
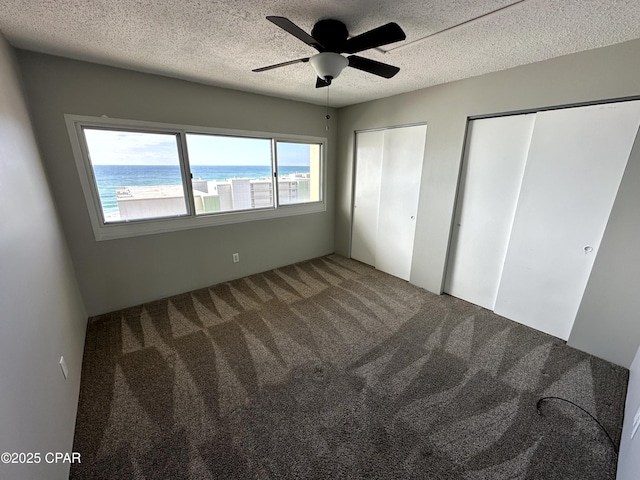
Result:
x=110 y=147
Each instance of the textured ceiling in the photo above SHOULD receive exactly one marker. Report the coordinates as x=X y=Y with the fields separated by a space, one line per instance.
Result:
x=219 y=42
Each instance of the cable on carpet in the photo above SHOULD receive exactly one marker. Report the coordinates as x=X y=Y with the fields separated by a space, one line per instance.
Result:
x=615 y=448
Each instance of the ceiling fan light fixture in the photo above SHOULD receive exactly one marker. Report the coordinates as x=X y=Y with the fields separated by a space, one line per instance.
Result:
x=328 y=64
x=331 y=38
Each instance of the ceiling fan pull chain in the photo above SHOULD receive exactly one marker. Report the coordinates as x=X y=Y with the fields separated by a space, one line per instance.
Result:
x=327 y=116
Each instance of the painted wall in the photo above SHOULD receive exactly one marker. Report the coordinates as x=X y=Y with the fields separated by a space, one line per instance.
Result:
x=41 y=312
x=118 y=273
x=629 y=457
x=606 y=73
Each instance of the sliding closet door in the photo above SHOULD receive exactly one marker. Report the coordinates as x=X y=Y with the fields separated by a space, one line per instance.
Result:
x=492 y=169
x=403 y=153
x=575 y=164
x=364 y=232
x=387 y=186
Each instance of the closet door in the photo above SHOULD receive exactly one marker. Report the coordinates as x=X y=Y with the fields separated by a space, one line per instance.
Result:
x=387 y=186
x=364 y=230
x=575 y=164
x=403 y=153
x=492 y=168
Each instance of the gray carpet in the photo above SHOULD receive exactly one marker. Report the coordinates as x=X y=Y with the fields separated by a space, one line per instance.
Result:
x=329 y=369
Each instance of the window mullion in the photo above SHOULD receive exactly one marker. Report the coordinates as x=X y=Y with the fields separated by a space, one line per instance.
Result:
x=185 y=168
x=274 y=167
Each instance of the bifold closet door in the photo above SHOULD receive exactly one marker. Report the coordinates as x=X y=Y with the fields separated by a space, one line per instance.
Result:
x=364 y=230
x=387 y=186
x=492 y=168
x=575 y=164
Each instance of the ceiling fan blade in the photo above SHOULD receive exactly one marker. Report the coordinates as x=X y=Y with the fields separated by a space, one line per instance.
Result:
x=290 y=27
x=371 y=66
x=283 y=64
x=322 y=83
x=383 y=35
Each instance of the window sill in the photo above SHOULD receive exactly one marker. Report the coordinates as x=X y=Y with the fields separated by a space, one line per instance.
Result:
x=113 y=231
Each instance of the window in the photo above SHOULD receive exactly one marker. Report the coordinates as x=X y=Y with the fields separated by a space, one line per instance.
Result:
x=230 y=173
x=298 y=172
x=141 y=178
x=137 y=174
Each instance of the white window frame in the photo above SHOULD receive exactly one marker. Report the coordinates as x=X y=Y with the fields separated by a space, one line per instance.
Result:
x=107 y=231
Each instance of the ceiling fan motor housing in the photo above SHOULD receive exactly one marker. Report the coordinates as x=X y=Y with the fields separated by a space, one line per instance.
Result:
x=332 y=34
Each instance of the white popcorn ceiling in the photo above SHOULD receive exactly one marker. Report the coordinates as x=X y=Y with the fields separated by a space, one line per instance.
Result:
x=219 y=42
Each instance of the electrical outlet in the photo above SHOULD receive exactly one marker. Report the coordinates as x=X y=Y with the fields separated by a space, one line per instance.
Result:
x=236 y=257
x=63 y=366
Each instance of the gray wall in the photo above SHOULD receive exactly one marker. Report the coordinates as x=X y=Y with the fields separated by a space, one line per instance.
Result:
x=41 y=313
x=629 y=460
x=120 y=273
x=606 y=73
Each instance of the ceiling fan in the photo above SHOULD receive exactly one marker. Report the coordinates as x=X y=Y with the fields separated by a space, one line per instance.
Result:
x=331 y=38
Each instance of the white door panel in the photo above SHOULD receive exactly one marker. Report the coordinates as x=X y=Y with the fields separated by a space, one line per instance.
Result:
x=575 y=164
x=369 y=147
x=493 y=165
x=399 y=191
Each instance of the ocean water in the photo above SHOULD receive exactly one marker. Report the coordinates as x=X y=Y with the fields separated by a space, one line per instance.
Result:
x=109 y=177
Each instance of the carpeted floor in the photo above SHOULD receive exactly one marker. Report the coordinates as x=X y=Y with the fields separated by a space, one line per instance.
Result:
x=329 y=369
